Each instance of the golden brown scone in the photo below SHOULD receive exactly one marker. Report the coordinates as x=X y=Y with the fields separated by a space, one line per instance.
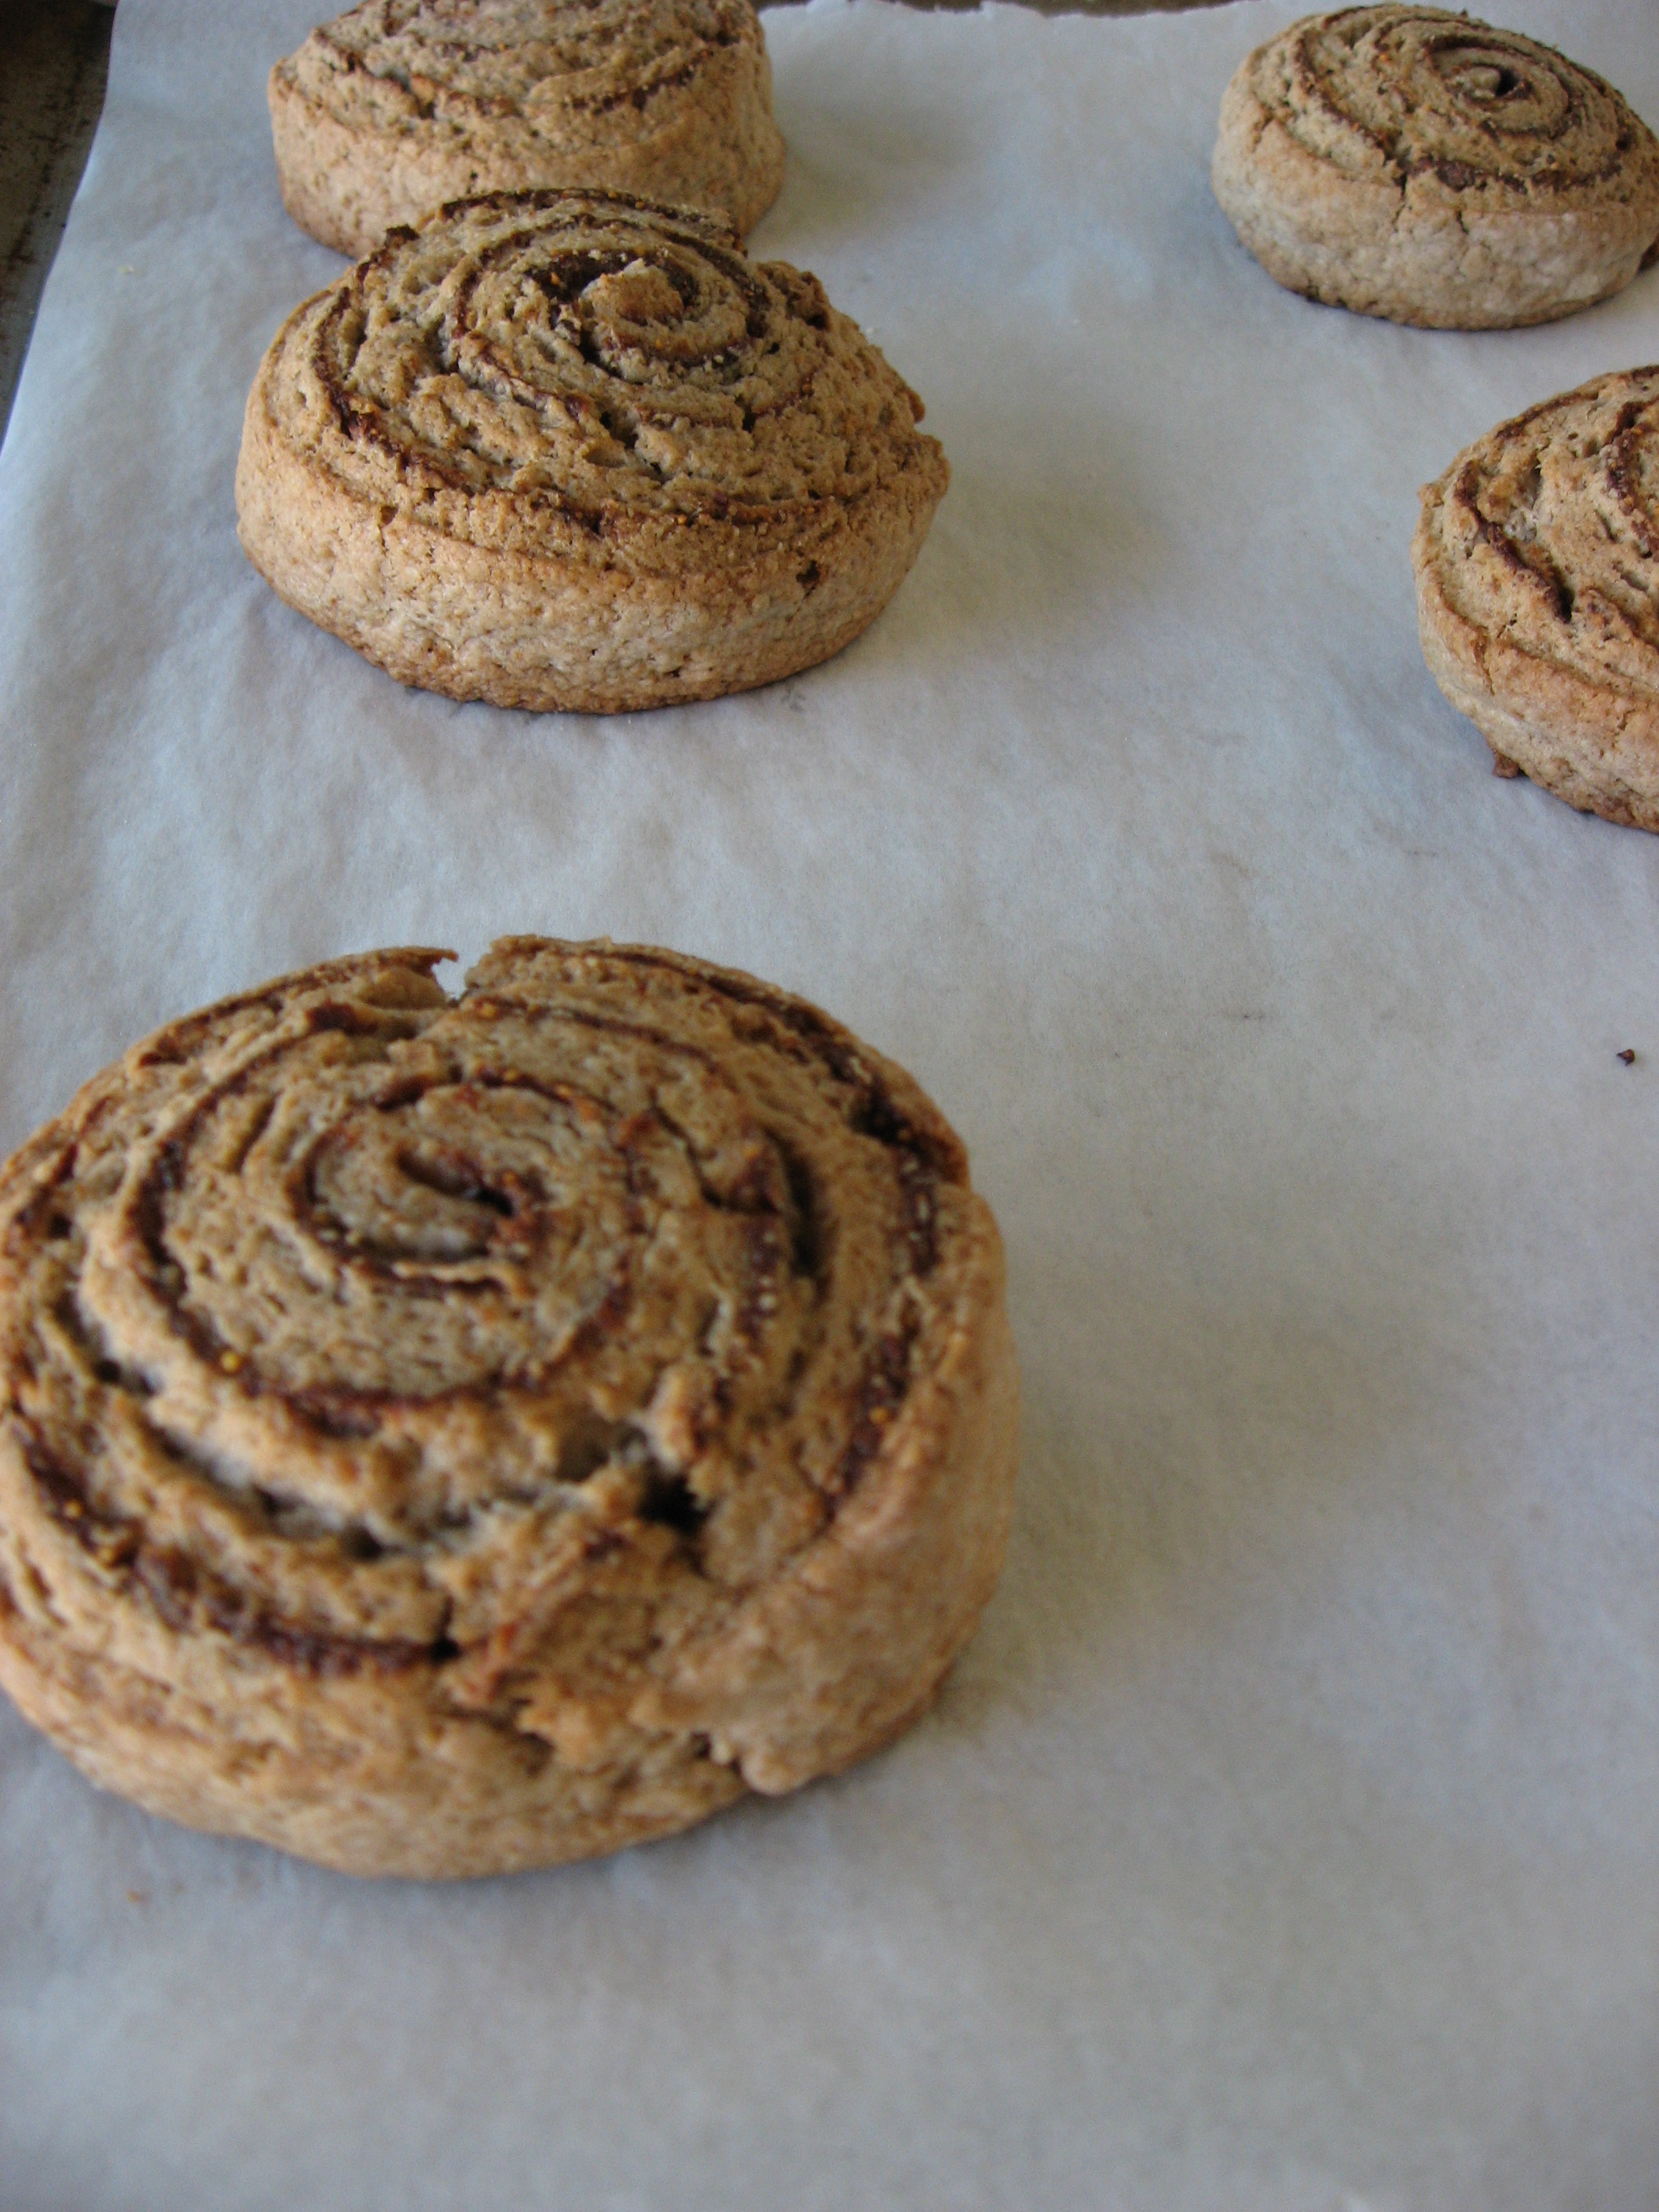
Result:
x=400 y=105
x=1537 y=562
x=568 y=450
x=1408 y=162
x=446 y=1437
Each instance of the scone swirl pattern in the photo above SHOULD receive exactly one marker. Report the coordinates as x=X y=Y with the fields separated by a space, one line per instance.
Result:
x=398 y=105
x=570 y=450
x=1537 y=562
x=441 y=1437
x=1413 y=163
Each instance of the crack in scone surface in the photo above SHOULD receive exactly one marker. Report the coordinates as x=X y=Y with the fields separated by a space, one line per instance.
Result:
x=362 y=1330
x=545 y=368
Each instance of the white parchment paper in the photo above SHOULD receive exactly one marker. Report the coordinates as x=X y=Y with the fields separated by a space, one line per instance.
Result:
x=1289 y=1838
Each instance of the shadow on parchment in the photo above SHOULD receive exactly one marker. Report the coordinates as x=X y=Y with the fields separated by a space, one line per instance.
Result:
x=1189 y=1459
x=1042 y=545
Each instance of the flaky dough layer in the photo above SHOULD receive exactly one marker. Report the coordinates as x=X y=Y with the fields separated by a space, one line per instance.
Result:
x=1412 y=163
x=399 y=105
x=569 y=450
x=1537 y=564
x=444 y=1436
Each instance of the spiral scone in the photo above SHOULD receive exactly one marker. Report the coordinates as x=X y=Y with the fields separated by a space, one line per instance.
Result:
x=1537 y=562
x=400 y=105
x=1412 y=163
x=444 y=1436
x=571 y=451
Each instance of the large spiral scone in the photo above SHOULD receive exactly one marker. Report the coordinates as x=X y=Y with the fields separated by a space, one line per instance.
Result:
x=400 y=105
x=571 y=451
x=1409 y=162
x=1537 y=562
x=445 y=1437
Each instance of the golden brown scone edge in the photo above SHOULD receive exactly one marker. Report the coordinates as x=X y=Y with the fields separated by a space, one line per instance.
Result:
x=690 y=477
x=1361 y=157
x=387 y=113
x=1537 y=565
x=255 y=1579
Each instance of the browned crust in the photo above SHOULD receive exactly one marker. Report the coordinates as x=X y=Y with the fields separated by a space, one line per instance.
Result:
x=163 y=1678
x=1519 y=548
x=1591 y=744
x=1423 y=241
x=556 y=636
x=347 y=185
x=733 y=568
